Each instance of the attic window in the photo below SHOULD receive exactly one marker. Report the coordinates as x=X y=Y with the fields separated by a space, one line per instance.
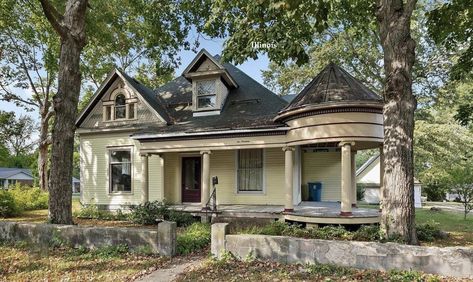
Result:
x=206 y=94
x=120 y=107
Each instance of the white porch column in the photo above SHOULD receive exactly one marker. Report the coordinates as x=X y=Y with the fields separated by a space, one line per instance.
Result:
x=353 y=180
x=161 y=178
x=289 y=173
x=204 y=196
x=381 y=176
x=144 y=179
x=346 y=179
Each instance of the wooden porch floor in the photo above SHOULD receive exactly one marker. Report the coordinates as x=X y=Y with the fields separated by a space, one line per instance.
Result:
x=308 y=212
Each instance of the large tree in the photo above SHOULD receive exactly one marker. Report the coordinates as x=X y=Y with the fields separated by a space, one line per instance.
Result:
x=130 y=32
x=293 y=25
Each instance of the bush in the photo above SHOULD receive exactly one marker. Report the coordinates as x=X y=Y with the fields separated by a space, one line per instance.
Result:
x=360 y=191
x=193 y=238
x=182 y=219
x=148 y=213
x=8 y=206
x=152 y=212
x=428 y=231
x=29 y=198
x=93 y=212
x=367 y=233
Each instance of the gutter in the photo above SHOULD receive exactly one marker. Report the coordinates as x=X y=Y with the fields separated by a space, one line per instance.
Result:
x=206 y=133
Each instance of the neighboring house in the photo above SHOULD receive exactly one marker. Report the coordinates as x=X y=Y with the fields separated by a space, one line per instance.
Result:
x=138 y=144
x=75 y=186
x=369 y=175
x=11 y=176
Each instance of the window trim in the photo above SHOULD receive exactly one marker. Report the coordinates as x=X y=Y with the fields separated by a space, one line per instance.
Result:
x=197 y=95
x=109 y=168
x=125 y=106
x=237 y=190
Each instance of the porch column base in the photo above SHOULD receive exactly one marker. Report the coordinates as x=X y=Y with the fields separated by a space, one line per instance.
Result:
x=288 y=210
x=346 y=213
x=354 y=205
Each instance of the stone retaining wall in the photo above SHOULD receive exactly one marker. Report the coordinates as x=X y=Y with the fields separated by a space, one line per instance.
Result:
x=161 y=240
x=451 y=261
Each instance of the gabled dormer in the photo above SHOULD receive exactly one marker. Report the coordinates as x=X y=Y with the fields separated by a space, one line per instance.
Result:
x=211 y=84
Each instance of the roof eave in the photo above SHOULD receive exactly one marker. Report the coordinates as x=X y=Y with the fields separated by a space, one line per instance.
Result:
x=323 y=106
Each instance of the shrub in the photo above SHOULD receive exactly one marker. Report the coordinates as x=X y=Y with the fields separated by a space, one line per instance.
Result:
x=29 y=198
x=331 y=232
x=93 y=212
x=360 y=191
x=148 y=213
x=195 y=237
x=8 y=206
x=428 y=231
x=367 y=233
x=152 y=212
x=182 y=219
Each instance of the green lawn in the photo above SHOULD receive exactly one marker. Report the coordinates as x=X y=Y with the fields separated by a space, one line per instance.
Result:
x=460 y=230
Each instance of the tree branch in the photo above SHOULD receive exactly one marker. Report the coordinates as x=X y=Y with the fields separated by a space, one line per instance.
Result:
x=54 y=17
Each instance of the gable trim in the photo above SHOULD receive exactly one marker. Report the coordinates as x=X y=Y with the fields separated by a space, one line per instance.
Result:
x=115 y=73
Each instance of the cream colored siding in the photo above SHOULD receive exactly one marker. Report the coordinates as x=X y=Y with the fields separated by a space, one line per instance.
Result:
x=322 y=167
x=223 y=165
x=94 y=153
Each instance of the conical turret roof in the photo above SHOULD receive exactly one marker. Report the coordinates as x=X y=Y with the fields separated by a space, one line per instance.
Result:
x=332 y=86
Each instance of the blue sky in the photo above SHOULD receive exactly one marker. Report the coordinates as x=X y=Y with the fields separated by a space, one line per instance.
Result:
x=214 y=46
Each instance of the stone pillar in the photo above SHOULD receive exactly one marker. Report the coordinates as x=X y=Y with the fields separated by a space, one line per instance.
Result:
x=289 y=173
x=346 y=178
x=144 y=179
x=167 y=238
x=205 y=192
x=217 y=246
x=353 y=180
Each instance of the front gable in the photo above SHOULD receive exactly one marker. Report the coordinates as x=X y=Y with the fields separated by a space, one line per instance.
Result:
x=103 y=112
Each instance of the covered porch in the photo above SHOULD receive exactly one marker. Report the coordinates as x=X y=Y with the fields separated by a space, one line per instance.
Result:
x=305 y=212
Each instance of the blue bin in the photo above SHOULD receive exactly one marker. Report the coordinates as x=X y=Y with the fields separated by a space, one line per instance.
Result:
x=315 y=191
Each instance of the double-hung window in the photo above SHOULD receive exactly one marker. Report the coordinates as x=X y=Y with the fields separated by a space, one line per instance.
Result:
x=120 y=107
x=250 y=170
x=120 y=170
x=206 y=94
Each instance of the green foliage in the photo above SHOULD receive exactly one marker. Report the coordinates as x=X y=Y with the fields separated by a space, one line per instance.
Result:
x=180 y=218
x=29 y=198
x=428 y=231
x=93 y=212
x=450 y=25
x=153 y=212
x=194 y=237
x=360 y=191
x=404 y=276
x=149 y=213
x=367 y=233
x=112 y=251
x=8 y=206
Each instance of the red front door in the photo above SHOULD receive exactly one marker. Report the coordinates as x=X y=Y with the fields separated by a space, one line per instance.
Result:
x=191 y=179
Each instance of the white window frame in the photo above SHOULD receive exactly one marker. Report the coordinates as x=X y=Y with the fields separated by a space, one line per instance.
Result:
x=205 y=95
x=263 y=190
x=109 y=168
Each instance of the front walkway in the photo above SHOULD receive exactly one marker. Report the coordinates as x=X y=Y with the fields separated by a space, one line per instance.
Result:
x=308 y=212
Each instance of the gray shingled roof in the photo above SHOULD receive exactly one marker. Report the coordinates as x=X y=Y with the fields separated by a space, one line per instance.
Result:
x=332 y=85
x=251 y=105
x=7 y=172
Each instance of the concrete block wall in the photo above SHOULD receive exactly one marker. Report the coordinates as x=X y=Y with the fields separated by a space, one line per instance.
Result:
x=161 y=240
x=451 y=261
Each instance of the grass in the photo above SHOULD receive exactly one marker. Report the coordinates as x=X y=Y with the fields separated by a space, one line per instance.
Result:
x=23 y=263
x=231 y=270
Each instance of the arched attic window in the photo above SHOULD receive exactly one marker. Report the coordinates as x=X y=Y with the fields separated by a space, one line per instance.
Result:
x=120 y=107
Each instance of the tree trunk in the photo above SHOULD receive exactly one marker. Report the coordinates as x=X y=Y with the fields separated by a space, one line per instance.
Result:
x=71 y=28
x=397 y=204
x=43 y=150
